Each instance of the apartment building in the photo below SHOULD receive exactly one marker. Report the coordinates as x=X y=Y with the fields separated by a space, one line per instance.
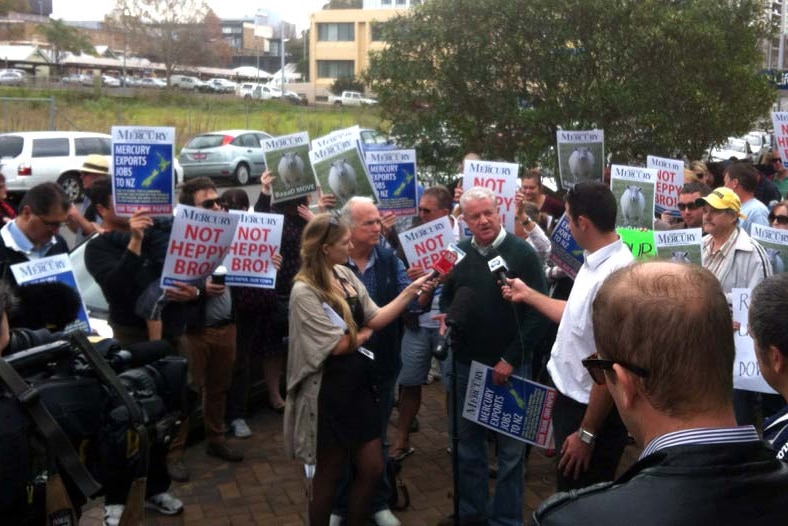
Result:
x=343 y=38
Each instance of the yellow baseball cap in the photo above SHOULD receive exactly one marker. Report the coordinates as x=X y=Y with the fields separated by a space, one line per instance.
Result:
x=722 y=198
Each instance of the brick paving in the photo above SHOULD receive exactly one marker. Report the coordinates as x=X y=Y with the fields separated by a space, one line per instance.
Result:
x=266 y=488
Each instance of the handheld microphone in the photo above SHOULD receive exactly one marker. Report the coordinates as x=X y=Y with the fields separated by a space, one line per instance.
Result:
x=498 y=266
x=459 y=312
x=445 y=263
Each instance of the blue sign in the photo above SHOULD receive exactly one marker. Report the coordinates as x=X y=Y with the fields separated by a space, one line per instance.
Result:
x=565 y=252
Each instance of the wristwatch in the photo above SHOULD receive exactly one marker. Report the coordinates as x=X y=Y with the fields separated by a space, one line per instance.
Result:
x=586 y=436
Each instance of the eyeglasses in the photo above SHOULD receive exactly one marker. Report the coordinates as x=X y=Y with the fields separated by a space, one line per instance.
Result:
x=210 y=203
x=597 y=366
x=776 y=161
x=688 y=206
x=50 y=224
x=781 y=220
x=332 y=221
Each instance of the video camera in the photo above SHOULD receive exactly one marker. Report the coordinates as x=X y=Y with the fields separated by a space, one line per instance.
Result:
x=104 y=402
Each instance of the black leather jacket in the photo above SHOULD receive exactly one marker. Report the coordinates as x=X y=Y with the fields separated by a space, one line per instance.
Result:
x=718 y=484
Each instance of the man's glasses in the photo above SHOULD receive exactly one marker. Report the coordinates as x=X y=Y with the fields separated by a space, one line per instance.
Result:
x=781 y=220
x=332 y=221
x=50 y=224
x=688 y=206
x=776 y=161
x=597 y=366
x=210 y=203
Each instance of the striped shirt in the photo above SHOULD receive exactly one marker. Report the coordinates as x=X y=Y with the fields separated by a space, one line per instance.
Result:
x=701 y=435
x=715 y=261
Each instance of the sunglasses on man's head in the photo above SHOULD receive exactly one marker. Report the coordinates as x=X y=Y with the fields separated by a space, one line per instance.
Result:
x=597 y=366
x=781 y=220
x=209 y=203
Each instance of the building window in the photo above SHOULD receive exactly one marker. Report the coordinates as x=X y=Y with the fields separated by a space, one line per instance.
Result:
x=335 y=69
x=401 y=2
x=385 y=2
x=376 y=32
x=344 y=32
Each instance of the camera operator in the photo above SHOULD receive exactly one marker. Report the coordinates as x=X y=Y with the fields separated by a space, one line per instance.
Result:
x=118 y=261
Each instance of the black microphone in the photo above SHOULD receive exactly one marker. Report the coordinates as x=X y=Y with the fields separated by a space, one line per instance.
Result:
x=459 y=311
x=497 y=265
x=45 y=305
x=143 y=353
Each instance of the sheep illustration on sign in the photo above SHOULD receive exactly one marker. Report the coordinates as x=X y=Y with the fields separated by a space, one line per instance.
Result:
x=581 y=164
x=633 y=204
x=342 y=179
x=291 y=169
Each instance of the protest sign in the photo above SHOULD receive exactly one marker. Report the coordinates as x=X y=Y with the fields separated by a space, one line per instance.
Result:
x=746 y=373
x=634 y=191
x=670 y=181
x=53 y=268
x=142 y=174
x=639 y=242
x=565 y=252
x=287 y=158
x=257 y=238
x=681 y=246
x=780 y=127
x=353 y=134
x=393 y=173
x=199 y=242
x=520 y=409
x=422 y=245
x=581 y=156
x=501 y=179
x=775 y=242
x=340 y=170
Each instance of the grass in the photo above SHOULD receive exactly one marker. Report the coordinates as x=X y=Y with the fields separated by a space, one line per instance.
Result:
x=189 y=113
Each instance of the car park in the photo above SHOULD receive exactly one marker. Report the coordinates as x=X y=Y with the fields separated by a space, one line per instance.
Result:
x=152 y=83
x=31 y=158
x=737 y=148
x=185 y=82
x=73 y=79
x=227 y=154
x=218 y=85
x=110 y=81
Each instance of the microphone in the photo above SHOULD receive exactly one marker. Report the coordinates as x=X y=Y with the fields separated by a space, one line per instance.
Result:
x=446 y=261
x=497 y=266
x=45 y=305
x=141 y=353
x=459 y=311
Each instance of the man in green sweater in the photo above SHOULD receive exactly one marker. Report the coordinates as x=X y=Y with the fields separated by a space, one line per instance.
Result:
x=498 y=334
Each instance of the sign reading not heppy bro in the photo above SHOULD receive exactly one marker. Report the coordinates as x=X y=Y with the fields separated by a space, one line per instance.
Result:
x=423 y=245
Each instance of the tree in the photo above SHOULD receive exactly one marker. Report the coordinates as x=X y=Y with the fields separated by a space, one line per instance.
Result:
x=20 y=6
x=343 y=4
x=663 y=78
x=166 y=31
x=63 y=39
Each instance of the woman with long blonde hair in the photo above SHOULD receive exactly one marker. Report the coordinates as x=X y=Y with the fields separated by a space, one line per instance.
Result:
x=331 y=411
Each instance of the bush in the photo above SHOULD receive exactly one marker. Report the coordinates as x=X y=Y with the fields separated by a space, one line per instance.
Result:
x=347 y=84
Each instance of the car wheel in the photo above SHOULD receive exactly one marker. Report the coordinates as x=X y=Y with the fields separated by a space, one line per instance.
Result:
x=72 y=185
x=242 y=174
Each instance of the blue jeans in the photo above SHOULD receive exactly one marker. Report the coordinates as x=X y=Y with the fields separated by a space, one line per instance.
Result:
x=506 y=506
x=381 y=501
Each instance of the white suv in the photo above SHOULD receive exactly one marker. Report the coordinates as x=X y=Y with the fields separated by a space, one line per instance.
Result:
x=31 y=158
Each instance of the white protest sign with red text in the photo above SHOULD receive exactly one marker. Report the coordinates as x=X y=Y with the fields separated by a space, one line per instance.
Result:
x=199 y=241
x=501 y=178
x=423 y=245
x=257 y=238
x=780 y=126
x=670 y=181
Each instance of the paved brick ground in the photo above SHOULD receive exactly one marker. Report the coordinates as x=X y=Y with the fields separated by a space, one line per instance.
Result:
x=268 y=489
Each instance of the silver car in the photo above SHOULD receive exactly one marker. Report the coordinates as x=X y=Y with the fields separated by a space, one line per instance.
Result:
x=235 y=154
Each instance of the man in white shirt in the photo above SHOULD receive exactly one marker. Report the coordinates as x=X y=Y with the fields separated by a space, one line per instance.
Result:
x=587 y=430
x=742 y=178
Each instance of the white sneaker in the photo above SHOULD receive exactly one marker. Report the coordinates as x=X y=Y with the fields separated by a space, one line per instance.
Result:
x=335 y=520
x=240 y=429
x=112 y=513
x=386 y=518
x=165 y=504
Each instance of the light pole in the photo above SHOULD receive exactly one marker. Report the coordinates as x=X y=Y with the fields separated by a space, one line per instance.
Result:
x=282 y=52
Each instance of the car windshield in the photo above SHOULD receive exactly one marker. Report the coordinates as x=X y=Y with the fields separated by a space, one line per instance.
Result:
x=737 y=145
x=205 y=141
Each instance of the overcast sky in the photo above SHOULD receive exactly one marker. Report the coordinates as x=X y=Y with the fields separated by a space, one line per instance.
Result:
x=293 y=11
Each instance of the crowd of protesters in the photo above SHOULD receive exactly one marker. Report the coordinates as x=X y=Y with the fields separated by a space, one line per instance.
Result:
x=639 y=351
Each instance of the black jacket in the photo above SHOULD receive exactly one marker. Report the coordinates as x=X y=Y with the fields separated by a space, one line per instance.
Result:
x=717 y=484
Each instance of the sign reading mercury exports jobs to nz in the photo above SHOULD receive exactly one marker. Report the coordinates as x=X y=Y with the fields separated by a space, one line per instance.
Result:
x=142 y=170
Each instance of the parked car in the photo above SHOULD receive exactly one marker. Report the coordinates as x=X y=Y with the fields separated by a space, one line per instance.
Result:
x=73 y=79
x=294 y=98
x=760 y=143
x=235 y=154
x=185 y=82
x=110 y=81
x=374 y=140
x=219 y=86
x=129 y=81
x=149 y=82
x=734 y=148
x=30 y=158
x=9 y=77
x=351 y=98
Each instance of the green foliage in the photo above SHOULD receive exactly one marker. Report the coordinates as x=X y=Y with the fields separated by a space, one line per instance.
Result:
x=347 y=84
x=343 y=4
x=64 y=38
x=663 y=78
